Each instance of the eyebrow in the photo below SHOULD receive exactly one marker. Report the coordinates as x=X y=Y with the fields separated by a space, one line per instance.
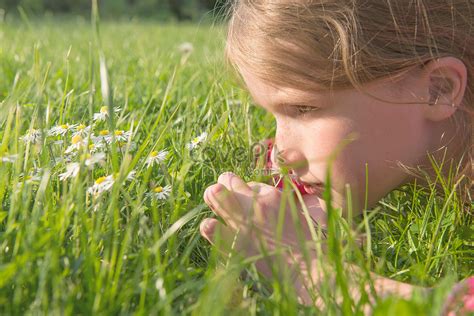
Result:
x=296 y=102
x=301 y=98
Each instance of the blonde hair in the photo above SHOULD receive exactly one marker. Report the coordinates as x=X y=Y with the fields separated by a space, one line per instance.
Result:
x=332 y=44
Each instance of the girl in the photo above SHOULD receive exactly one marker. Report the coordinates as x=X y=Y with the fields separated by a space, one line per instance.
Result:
x=391 y=80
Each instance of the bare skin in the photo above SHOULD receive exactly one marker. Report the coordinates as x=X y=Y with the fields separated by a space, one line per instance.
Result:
x=310 y=128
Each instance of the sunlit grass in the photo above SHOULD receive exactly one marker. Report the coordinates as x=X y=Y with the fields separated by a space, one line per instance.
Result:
x=65 y=250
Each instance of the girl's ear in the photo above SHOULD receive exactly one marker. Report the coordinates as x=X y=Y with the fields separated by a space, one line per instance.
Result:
x=446 y=80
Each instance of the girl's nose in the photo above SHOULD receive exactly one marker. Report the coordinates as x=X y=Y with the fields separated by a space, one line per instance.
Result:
x=286 y=151
x=275 y=156
x=290 y=158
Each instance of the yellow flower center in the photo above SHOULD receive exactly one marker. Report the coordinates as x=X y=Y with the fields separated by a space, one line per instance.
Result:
x=158 y=189
x=100 y=180
x=80 y=127
x=91 y=146
x=104 y=110
x=76 y=139
x=195 y=140
x=118 y=133
x=104 y=132
x=154 y=154
x=64 y=126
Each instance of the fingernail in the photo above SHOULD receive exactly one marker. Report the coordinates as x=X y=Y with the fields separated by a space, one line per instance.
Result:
x=203 y=226
x=215 y=188
x=206 y=226
x=209 y=228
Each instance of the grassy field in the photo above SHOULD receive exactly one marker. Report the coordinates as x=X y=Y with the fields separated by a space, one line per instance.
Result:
x=82 y=228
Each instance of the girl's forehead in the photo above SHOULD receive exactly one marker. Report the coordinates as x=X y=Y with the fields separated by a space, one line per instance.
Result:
x=264 y=92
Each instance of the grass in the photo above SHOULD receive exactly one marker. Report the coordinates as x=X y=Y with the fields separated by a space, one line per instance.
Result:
x=63 y=251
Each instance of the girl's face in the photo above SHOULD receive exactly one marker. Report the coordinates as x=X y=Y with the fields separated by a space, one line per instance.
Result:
x=311 y=126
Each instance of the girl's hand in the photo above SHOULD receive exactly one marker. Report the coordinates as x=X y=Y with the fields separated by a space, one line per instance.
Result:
x=252 y=216
x=251 y=212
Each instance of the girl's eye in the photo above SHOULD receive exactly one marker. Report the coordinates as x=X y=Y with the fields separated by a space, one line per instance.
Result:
x=302 y=110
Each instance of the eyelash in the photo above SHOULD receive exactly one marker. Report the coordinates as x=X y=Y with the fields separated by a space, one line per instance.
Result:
x=303 y=110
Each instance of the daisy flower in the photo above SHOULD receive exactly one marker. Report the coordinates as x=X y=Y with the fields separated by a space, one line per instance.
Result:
x=32 y=136
x=72 y=170
x=97 y=146
x=123 y=146
x=197 y=140
x=234 y=102
x=82 y=130
x=186 y=48
x=156 y=157
x=101 y=185
x=131 y=175
x=33 y=177
x=9 y=158
x=103 y=113
x=76 y=143
x=120 y=136
x=102 y=138
x=97 y=158
x=61 y=129
x=159 y=284
x=160 y=193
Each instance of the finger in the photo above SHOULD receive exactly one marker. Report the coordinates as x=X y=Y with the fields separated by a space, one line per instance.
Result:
x=313 y=204
x=226 y=205
x=222 y=237
x=262 y=188
x=264 y=192
x=234 y=183
x=226 y=241
x=207 y=228
x=255 y=187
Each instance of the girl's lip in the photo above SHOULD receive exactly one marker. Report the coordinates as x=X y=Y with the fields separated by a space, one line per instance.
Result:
x=309 y=184
x=314 y=189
